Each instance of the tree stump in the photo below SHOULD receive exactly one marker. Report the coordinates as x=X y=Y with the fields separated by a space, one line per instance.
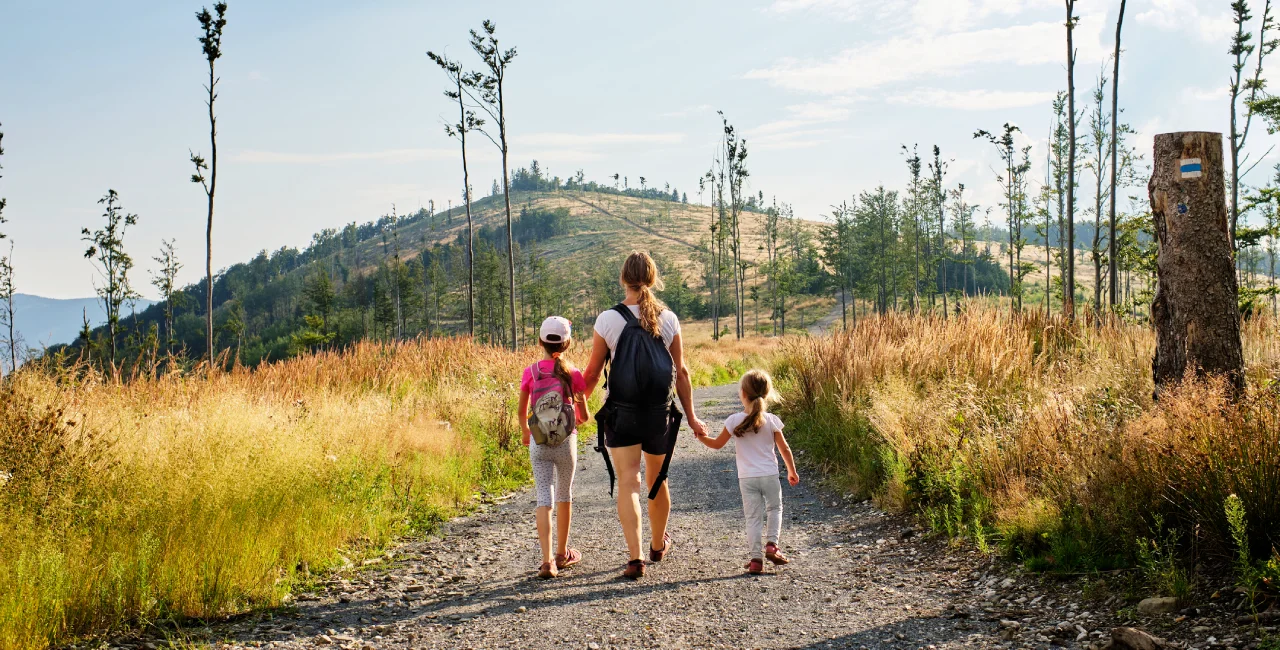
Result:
x=1195 y=311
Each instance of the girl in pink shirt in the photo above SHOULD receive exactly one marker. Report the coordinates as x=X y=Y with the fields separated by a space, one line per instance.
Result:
x=554 y=461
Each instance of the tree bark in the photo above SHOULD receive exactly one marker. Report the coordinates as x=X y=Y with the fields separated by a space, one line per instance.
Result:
x=1113 y=283
x=1195 y=310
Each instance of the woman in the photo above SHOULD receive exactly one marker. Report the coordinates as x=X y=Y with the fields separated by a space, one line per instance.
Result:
x=638 y=433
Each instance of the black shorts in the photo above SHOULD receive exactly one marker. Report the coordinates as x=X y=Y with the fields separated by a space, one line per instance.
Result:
x=646 y=427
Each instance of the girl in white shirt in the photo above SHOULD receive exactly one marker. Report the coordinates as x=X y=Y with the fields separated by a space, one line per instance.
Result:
x=757 y=437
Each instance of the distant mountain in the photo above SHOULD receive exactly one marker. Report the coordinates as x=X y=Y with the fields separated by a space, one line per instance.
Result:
x=44 y=322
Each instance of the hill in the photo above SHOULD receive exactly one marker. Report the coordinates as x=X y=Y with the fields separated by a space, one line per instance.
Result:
x=43 y=322
x=403 y=276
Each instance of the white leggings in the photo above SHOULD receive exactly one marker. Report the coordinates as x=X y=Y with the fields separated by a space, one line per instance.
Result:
x=553 y=469
x=761 y=499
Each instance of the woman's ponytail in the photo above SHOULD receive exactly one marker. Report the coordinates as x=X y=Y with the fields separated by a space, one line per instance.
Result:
x=640 y=274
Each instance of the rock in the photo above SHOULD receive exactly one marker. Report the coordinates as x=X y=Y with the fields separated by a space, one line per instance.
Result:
x=1007 y=582
x=522 y=609
x=1010 y=625
x=324 y=639
x=1158 y=605
x=413 y=589
x=1129 y=638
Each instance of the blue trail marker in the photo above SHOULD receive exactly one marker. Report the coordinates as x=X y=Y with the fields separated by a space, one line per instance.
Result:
x=1190 y=168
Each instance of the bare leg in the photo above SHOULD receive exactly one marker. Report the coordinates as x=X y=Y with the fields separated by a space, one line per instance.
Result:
x=544 y=531
x=660 y=507
x=626 y=462
x=564 y=514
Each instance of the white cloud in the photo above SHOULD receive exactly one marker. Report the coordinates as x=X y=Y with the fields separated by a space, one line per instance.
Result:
x=1207 y=20
x=688 y=110
x=904 y=57
x=595 y=139
x=971 y=100
x=1211 y=94
x=389 y=155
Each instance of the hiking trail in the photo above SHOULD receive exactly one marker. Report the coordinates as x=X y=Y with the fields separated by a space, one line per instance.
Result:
x=858 y=577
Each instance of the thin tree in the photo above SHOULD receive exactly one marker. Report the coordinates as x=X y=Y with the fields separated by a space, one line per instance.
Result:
x=7 y=291
x=1242 y=49
x=1069 y=285
x=106 y=250
x=490 y=89
x=211 y=43
x=1004 y=145
x=165 y=281
x=467 y=122
x=1113 y=283
x=735 y=150
x=939 y=170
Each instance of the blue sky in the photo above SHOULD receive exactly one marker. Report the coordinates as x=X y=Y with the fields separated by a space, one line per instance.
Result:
x=330 y=112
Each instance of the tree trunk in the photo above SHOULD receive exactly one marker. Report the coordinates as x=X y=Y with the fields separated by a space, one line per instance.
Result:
x=1069 y=287
x=1113 y=282
x=1195 y=310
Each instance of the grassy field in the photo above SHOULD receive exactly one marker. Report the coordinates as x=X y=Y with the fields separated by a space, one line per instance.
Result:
x=126 y=503
x=1042 y=438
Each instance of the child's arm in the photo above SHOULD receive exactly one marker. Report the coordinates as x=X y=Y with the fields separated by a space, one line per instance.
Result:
x=781 y=441
x=718 y=442
x=522 y=410
x=580 y=413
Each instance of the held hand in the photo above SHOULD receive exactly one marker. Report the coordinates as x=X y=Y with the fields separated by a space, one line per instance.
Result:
x=793 y=478
x=527 y=437
x=698 y=427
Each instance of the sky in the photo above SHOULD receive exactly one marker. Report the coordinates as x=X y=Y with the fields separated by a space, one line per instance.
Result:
x=330 y=112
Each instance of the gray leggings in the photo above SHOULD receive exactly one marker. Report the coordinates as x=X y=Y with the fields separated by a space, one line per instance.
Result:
x=553 y=469
x=761 y=501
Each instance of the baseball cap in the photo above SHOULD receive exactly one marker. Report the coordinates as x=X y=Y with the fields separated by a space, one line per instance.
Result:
x=555 y=329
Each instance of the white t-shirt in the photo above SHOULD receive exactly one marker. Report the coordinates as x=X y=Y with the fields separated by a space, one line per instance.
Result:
x=757 y=455
x=609 y=325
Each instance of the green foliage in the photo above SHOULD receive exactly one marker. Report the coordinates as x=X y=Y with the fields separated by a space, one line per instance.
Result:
x=1158 y=559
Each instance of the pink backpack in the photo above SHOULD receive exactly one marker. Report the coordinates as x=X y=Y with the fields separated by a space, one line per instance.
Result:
x=551 y=418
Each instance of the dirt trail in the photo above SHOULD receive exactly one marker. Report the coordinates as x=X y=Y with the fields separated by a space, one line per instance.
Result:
x=858 y=578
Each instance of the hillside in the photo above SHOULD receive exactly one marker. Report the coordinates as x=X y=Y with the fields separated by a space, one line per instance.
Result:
x=404 y=276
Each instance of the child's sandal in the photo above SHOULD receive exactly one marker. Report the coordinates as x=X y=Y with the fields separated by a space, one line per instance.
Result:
x=570 y=558
x=755 y=566
x=772 y=554
x=547 y=571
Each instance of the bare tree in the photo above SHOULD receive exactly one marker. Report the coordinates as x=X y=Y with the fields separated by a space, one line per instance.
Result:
x=7 y=313
x=1069 y=284
x=490 y=90
x=211 y=42
x=735 y=150
x=106 y=250
x=166 y=282
x=1242 y=48
x=467 y=122
x=1112 y=275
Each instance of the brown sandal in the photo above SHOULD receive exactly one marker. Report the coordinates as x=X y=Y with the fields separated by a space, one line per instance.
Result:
x=772 y=554
x=547 y=571
x=656 y=555
x=570 y=558
x=634 y=570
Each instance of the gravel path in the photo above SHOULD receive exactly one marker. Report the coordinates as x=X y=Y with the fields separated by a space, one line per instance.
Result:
x=858 y=579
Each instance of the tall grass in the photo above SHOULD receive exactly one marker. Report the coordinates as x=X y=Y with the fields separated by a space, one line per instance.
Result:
x=195 y=496
x=1039 y=434
x=159 y=498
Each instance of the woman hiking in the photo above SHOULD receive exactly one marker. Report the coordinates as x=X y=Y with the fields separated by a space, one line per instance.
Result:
x=640 y=340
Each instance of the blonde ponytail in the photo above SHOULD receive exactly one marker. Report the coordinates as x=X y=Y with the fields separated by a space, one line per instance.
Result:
x=757 y=387
x=640 y=274
x=562 y=370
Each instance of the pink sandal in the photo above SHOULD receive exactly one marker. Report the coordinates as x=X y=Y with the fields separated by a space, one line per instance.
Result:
x=755 y=566
x=570 y=558
x=772 y=554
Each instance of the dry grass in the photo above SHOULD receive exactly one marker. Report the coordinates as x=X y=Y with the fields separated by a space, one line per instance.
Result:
x=199 y=496
x=189 y=496
x=1039 y=434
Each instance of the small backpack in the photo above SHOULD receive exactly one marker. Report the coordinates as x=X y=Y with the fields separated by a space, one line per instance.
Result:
x=551 y=420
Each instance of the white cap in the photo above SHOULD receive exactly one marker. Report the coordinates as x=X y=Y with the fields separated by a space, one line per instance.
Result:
x=555 y=329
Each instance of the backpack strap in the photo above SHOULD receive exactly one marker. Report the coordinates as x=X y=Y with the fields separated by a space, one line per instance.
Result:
x=629 y=317
x=673 y=433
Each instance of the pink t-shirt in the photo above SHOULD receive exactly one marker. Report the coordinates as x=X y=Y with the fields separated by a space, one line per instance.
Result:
x=547 y=366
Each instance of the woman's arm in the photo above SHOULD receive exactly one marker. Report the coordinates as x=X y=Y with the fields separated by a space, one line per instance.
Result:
x=781 y=441
x=522 y=411
x=599 y=352
x=718 y=442
x=684 y=387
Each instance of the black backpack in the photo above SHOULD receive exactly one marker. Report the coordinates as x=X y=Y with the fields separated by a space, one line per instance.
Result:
x=641 y=375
